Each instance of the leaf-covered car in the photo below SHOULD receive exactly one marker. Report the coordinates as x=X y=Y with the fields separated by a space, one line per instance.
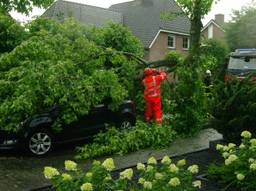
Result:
x=37 y=136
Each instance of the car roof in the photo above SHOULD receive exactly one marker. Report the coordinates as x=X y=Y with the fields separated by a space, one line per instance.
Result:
x=251 y=52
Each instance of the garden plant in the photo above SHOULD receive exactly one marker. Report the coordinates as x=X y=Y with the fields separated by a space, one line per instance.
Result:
x=165 y=176
x=239 y=167
x=234 y=108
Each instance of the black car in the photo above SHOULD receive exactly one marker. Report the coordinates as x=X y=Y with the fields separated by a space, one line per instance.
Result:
x=36 y=135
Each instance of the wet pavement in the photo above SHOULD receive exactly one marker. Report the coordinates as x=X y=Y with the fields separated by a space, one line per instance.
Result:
x=20 y=172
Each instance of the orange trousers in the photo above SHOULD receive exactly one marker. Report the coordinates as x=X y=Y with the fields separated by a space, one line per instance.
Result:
x=155 y=108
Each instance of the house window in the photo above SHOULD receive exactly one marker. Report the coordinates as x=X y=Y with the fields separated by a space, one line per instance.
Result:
x=171 y=41
x=185 y=43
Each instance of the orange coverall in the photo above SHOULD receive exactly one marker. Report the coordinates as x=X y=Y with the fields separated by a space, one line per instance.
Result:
x=152 y=95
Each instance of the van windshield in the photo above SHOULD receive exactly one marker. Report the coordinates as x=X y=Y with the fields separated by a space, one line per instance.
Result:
x=240 y=63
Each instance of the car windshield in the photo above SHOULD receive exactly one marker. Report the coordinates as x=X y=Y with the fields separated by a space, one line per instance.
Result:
x=242 y=63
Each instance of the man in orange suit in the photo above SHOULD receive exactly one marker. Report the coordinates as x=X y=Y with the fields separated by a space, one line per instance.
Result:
x=152 y=93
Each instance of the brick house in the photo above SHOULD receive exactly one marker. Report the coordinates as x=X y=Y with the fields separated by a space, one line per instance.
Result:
x=214 y=28
x=142 y=17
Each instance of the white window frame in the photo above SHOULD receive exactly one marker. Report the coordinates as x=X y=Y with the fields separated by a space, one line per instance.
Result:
x=183 y=42
x=174 y=41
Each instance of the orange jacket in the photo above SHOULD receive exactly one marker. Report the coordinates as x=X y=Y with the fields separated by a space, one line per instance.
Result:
x=152 y=91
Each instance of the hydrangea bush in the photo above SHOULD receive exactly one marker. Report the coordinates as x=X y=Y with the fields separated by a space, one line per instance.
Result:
x=239 y=166
x=151 y=176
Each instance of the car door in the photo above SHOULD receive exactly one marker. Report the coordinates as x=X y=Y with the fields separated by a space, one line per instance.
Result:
x=87 y=125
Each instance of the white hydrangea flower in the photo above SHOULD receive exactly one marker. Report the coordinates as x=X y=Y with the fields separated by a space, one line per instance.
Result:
x=158 y=176
x=166 y=160
x=152 y=160
x=147 y=185
x=246 y=134
x=127 y=174
x=174 y=181
x=50 y=172
x=225 y=155
x=141 y=166
x=240 y=177
x=108 y=164
x=231 y=145
x=251 y=160
x=141 y=180
x=86 y=187
x=70 y=165
x=225 y=148
x=173 y=168
x=194 y=169
x=242 y=146
x=231 y=159
x=253 y=166
x=219 y=147
x=197 y=184
x=253 y=142
x=228 y=162
x=181 y=163
x=149 y=168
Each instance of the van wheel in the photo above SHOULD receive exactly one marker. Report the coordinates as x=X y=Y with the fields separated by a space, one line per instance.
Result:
x=39 y=143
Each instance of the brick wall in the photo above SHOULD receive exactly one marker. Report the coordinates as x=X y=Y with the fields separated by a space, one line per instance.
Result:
x=160 y=47
x=217 y=33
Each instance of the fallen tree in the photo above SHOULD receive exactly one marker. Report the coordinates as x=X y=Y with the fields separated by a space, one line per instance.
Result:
x=69 y=64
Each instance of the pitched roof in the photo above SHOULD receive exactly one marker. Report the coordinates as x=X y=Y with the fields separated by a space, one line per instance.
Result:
x=84 y=13
x=143 y=18
x=214 y=23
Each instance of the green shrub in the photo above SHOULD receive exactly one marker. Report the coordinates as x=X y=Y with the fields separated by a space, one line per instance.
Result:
x=234 y=108
x=239 y=168
x=189 y=101
x=116 y=141
x=167 y=176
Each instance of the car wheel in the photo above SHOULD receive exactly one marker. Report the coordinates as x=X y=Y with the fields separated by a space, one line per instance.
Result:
x=39 y=143
x=126 y=123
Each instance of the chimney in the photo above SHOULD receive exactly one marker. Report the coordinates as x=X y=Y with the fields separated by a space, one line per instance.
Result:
x=219 y=19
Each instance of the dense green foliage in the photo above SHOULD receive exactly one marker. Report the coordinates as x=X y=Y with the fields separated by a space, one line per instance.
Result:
x=62 y=63
x=114 y=141
x=241 y=30
x=151 y=176
x=239 y=168
x=24 y=6
x=190 y=101
x=11 y=33
x=234 y=108
x=214 y=53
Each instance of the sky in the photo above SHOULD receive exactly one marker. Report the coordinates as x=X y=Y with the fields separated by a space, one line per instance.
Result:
x=223 y=6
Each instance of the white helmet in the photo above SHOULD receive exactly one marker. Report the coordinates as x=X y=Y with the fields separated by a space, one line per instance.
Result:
x=208 y=72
